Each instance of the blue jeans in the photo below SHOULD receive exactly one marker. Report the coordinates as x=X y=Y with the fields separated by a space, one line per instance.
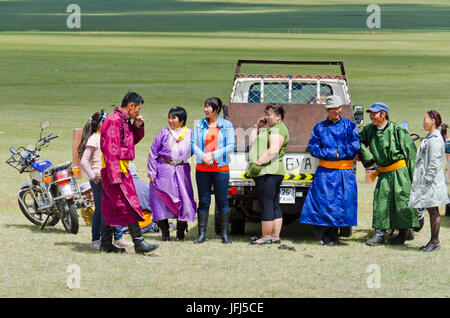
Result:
x=97 y=191
x=219 y=180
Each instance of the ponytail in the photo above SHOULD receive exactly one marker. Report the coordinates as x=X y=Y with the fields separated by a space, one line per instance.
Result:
x=444 y=131
x=89 y=129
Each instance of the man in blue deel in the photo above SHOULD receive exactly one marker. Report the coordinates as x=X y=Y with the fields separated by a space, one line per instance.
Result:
x=332 y=198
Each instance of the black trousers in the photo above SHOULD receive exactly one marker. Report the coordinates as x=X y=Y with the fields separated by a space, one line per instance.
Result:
x=268 y=189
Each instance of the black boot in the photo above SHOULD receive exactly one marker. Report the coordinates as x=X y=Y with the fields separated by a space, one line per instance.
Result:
x=140 y=245
x=333 y=233
x=181 y=228
x=400 y=238
x=224 y=223
x=164 y=227
x=202 y=224
x=107 y=239
x=377 y=238
x=320 y=232
x=410 y=234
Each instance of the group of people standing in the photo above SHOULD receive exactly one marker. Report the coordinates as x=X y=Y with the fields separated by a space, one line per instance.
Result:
x=408 y=179
x=108 y=146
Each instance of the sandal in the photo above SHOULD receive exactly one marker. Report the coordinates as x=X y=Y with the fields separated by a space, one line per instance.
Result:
x=262 y=241
x=277 y=241
x=434 y=246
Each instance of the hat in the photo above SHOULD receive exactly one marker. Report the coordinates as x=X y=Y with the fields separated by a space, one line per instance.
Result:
x=333 y=101
x=85 y=186
x=378 y=107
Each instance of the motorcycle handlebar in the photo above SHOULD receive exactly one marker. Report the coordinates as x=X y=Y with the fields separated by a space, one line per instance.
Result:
x=49 y=137
x=45 y=140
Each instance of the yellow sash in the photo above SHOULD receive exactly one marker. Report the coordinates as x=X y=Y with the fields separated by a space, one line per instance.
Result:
x=340 y=164
x=123 y=164
x=147 y=219
x=395 y=166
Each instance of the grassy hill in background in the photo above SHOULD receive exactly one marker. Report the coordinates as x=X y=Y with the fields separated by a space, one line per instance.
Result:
x=179 y=53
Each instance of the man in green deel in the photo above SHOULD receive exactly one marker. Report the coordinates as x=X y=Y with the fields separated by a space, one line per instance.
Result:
x=388 y=147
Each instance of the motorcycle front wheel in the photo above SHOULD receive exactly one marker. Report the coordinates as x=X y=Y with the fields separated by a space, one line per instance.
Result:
x=70 y=217
x=30 y=208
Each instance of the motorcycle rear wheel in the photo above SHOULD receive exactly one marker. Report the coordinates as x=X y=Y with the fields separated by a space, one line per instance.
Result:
x=31 y=209
x=70 y=218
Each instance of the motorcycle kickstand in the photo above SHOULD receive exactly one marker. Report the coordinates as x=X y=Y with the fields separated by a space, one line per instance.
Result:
x=45 y=223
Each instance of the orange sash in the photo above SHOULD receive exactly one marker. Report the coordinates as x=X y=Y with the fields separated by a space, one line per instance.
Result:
x=339 y=164
x=395 y=166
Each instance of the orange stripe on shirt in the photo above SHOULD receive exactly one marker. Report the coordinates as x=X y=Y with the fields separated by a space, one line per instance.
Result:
x=210 y=146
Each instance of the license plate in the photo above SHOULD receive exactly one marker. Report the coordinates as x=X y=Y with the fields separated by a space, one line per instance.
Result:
x=287 y=195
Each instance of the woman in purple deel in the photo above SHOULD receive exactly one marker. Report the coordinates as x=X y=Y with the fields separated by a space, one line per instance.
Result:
x=171 y=193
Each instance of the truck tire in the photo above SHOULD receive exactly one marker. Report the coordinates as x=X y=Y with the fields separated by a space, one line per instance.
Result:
x=237 y=226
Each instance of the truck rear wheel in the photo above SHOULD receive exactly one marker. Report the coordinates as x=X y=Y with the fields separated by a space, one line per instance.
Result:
x=237 y=226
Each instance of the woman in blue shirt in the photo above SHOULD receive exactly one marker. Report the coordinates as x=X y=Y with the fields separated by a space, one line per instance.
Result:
x=212 y=142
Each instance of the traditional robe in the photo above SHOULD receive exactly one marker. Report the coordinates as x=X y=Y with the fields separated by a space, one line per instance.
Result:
x=332 y=198
x=391 y=196
x=120 y=203
x=171 y=195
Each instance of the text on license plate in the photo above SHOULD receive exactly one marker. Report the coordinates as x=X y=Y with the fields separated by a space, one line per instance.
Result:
x=287 y=195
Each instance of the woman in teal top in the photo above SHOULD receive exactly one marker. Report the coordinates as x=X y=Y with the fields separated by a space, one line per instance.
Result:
x=267 y=169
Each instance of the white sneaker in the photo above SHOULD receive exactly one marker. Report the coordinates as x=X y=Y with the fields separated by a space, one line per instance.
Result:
x=96 y=244
x=123 y=243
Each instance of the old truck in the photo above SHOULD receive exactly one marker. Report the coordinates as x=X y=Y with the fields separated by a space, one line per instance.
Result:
x=302 y=97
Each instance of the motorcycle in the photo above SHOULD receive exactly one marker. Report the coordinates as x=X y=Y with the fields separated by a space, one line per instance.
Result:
x=52 y=191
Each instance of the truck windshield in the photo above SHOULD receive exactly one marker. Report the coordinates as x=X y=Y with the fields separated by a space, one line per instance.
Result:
x=279 y=92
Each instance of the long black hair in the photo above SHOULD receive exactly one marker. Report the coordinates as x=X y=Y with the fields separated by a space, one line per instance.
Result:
x=89 y=129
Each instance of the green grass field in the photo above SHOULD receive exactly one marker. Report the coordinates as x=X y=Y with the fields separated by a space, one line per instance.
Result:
x=179 y=53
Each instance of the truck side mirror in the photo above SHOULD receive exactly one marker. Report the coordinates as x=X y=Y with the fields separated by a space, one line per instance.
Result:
x=358 y=114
